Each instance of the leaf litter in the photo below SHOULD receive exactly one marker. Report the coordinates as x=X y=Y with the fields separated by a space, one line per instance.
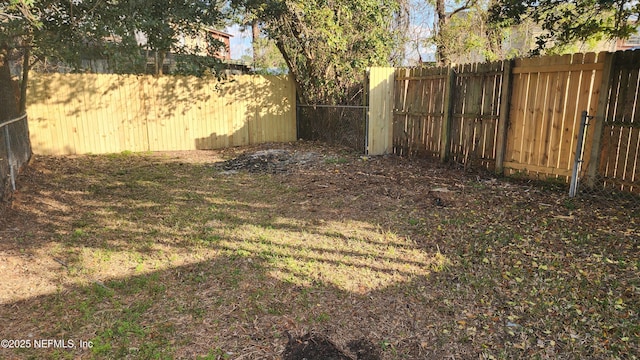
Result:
x=261 y=252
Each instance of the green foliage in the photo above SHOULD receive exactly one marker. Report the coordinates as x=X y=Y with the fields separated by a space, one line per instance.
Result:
x=109 y=30
x=564 y=23
x=267 y=59
x=326 y=45
x=196 y=65
x=466 y=37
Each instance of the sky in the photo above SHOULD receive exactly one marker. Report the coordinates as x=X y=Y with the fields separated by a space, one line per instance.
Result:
x=240 y=42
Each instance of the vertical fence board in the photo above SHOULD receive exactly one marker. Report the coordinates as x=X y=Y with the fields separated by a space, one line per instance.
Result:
x=445 y=146
x=380 y=136
x=88 y=113
x=549 y=93
x=620 y=143
x=516 y=118
x=506 y=91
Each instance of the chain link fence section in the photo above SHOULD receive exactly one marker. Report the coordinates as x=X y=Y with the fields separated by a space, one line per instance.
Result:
x=344 y=125
x=15 y=152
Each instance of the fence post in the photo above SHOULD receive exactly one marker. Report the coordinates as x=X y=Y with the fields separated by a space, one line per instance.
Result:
x=599 y=118
x=575 y=171
x=503 y=120
x=10 y=157
x=381 y=102
x=446 y=118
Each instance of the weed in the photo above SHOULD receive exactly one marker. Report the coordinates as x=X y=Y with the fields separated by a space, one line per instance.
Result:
x=322 y=318
x=215 y=354
x=77 y=234
x=569 y=204
x=336 y=160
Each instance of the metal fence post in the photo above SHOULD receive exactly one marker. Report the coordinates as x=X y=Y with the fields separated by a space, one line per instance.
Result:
x=10 y=157
x=578 y=157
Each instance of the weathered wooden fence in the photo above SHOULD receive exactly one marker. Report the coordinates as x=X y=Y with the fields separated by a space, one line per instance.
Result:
x=523 y=116
x=449 y=112
x=87 y=113
x=615 y=151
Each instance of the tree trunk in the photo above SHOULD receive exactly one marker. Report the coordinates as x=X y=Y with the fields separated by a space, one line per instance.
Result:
x=494 y=38
x=160 y=56
x=8 y=105
x=292 y=70
x=442 y=56
x=255 y=36
x=25 y=79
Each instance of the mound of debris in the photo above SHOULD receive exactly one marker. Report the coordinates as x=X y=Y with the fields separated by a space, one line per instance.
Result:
x=318 y=347
x=271 y=161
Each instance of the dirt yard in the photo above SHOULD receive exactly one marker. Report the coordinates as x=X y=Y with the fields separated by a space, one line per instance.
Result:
x=291 y=251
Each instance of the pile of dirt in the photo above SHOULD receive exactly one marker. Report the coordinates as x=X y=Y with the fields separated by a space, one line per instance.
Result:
x=272 y=161
x=318 y=347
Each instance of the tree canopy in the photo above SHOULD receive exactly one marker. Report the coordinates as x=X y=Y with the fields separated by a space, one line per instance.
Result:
x=565 y=22
x=327 y=44
x=114 y=30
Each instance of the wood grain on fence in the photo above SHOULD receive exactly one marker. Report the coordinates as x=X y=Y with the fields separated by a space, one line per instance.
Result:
x=549 y=94
x=88 y=113
x=619 y=165
x=381 y=82
x=418 y=111
x=475 y=113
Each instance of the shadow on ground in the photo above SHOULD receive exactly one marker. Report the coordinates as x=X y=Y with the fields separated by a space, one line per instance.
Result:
x=150 y=256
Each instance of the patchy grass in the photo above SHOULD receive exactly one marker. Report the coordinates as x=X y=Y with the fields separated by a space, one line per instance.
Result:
x=167 y=256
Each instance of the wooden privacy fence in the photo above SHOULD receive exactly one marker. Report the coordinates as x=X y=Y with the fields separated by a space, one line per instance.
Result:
x=523 y=116
x=90 y=113
x=615 y=151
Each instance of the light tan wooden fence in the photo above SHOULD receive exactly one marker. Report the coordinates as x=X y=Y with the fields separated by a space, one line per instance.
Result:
x=87 y=113
x=379 y=134
x=549 y=95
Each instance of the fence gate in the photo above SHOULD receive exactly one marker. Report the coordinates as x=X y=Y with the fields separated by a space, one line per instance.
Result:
x=340 y=124
x=363 y=123
x=344 y=125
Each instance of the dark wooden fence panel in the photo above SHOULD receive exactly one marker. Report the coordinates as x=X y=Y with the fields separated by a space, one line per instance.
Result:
x=619 y=165
x=419 y=111
x=475 y=113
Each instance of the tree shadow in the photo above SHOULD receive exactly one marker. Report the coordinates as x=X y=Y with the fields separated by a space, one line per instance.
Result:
x=89 y=113
x=149 y=262
x=154 y=257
